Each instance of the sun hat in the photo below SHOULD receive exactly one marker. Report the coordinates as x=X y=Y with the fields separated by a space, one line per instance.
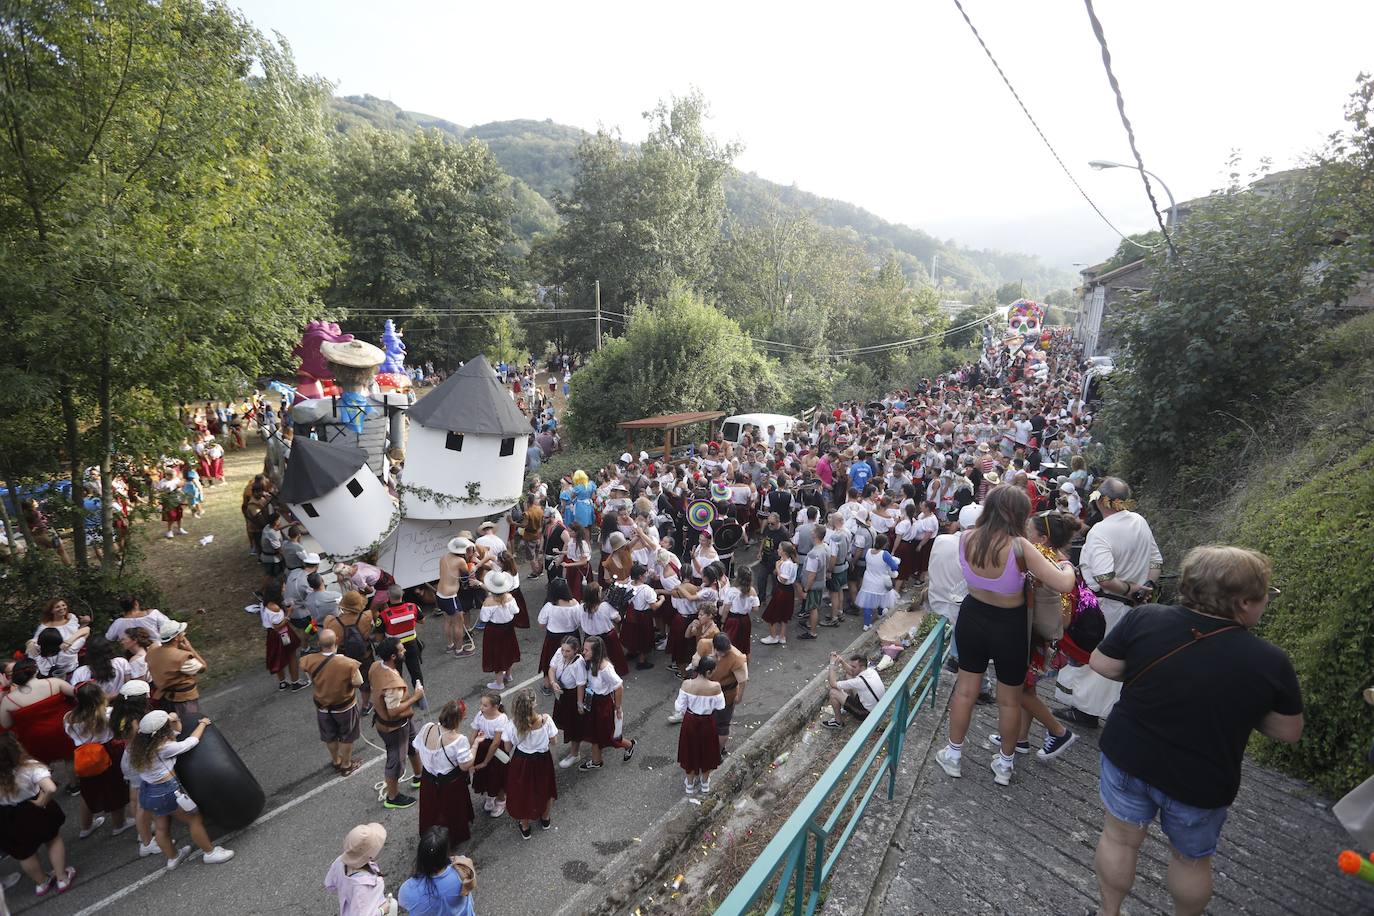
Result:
x=135 y=689
x=354 y=602
x=171 y=630
x=459 y=545
x=356 y=354
x=362 y=844
x=487 y=526
x=616 y=540
x=498 y=582
x=152 y=722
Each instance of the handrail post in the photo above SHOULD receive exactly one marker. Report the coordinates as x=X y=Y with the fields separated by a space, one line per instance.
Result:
x=894 y=745
x=817 y=867
x=945 y=628
x=799 y=875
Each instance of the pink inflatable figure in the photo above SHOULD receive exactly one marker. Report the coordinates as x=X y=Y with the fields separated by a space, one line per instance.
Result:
x=314 y=379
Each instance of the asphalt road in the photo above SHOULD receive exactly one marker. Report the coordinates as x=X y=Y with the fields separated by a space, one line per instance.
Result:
x=282 y=858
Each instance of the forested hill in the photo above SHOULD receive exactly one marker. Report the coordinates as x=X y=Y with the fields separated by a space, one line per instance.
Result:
x=539 y=155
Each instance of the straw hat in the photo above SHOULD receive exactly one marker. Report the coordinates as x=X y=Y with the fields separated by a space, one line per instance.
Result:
x=498 y=582
x=356 y=354
x=616 y=540
x=459 y=545
x=171 y=630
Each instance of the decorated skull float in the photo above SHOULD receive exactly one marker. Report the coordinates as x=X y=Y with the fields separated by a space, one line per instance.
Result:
x=1024 y=320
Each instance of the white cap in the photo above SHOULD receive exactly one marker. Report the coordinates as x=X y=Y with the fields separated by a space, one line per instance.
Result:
x=152 y=723
x=643 y=456
x=625 y=458
x=968 y=516
x=311 y=559
x=134 y=689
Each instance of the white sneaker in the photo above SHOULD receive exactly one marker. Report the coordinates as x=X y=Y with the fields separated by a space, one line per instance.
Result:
x=182 y=853
x=218 y=854
x=566 y=763
x=769 y=641
x=498 y=809
x=147 y=850
x=169 y=535
x=1001 y=772
x=489 y=804
x=95 y=825
x=675 y=718
x=495 y=685
x=705 y=786
x=182 y=531
x=690 y=785
x=950 y=764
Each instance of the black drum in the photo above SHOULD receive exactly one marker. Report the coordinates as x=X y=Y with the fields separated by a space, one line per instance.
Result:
x=728 y=535
x=220 y=783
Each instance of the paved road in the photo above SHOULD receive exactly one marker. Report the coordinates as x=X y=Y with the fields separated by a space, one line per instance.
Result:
x=282 y=858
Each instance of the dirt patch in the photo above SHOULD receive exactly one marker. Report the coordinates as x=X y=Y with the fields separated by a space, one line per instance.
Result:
x=208 y=585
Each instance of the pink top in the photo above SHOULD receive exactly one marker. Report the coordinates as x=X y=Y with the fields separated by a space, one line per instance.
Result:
x=1011 y=582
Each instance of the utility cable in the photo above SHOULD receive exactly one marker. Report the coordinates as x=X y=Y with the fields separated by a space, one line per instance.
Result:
x=1048 y=145
x=1126 y=122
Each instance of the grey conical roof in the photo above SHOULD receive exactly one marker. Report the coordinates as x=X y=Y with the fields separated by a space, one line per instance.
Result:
x=316 y=468
x=471 y=400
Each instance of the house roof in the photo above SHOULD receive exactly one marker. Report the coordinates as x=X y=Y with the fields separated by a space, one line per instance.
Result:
x=315 y=468
x=471 y=400
x=1113 y=274
x=672 y=420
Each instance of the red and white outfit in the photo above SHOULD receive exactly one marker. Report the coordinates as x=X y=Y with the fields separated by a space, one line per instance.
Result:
x=784 y=601
x=106 y=791
x=444 y=797
x=491 y=779
x=530 y=781
x=600 y=721
x=281 y=639
x=569 y=675
x=575 y=552
x=738 y=623
x=559 y=622
x=602 y=623
x=500 y=649
x=698 y=746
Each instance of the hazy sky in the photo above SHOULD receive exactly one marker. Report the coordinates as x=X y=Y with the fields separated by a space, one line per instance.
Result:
x=890 y=106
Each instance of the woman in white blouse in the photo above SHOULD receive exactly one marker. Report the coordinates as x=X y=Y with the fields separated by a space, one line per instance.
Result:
x=152 y=756
x=602 y=700
x=445 y=760
x=137 y=641
x=103 y=790
x=566 y=677
x=739 y=601
x=784 y=600
x=500 y=648
x=30 y=819
x=560 y=617
x=698 y=745
x=531 y=786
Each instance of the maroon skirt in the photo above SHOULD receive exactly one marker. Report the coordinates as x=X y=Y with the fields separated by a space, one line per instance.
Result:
x=522 y=616
x=278 y=652
x=500 y=649
x=782 y=605
x=680 y=648
x=491 y=779
x=637 y=632
x=615 y=651
x=108 y=791
x=25 y=827
x=552 y=643
x=923 y=556
x=567 y=715
x=739 y=628
x=530 y=785
x=600 y=723
x=574 y=575
x=906 y=559
x=698 y=746
x=446 y=802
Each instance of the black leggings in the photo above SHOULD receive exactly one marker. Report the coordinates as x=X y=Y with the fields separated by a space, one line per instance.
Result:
x=986 y=633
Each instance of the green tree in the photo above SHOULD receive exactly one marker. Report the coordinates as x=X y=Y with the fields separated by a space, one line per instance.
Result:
x=428 y=227
x=678 y=354
x=965 y=329
x=641 y=220
x=1008 y=293
x=163 y=214
x=1131 y=249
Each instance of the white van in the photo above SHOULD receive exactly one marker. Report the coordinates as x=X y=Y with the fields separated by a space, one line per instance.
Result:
x=732 y=429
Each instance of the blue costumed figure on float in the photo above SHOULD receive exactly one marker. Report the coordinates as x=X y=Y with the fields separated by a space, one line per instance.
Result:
x=577 y=501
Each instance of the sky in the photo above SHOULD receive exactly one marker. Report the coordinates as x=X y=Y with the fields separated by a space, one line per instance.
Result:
x=891 y=106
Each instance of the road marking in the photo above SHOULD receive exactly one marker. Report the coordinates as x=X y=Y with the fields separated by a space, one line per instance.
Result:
x=279 y=810
x=522 y=685
x=220 y=693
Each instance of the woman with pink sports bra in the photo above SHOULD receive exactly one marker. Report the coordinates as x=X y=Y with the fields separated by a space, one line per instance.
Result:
x=993 y=624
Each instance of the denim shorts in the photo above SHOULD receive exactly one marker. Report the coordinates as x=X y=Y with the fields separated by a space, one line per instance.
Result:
x=159 y=798
x=1193 y=832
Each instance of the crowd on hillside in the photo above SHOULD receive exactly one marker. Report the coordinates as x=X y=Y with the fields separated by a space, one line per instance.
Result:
x=968 y=493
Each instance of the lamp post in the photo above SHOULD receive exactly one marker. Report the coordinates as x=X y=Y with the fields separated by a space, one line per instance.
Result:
x=1100 y=164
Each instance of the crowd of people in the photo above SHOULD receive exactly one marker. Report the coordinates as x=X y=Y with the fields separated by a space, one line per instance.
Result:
x=975 y=488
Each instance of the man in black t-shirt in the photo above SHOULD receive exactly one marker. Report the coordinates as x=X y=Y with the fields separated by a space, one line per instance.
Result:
x=1196 y=683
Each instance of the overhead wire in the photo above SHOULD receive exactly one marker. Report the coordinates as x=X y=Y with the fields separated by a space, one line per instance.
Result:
x=1048 y=145
x=1126 y=122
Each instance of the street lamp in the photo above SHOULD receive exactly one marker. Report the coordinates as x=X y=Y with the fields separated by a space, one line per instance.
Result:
x=1100 y=164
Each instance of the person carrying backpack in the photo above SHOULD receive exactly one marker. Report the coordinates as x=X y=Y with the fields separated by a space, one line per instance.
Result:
x=352 y=629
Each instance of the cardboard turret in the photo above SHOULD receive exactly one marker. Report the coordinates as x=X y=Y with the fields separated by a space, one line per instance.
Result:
x=465 y=454
x=334 y=494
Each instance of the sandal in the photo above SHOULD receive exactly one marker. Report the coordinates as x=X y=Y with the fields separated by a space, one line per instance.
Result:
x=65 y=883
x=350 y=768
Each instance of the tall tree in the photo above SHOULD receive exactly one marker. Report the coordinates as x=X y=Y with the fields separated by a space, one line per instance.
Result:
x=640 y=220
x=163 y=213
x=428 y=227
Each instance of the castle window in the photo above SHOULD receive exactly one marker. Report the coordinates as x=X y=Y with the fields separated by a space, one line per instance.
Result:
x=508 y=446
x=355 y=488
x=310 y=510
x=454 y=442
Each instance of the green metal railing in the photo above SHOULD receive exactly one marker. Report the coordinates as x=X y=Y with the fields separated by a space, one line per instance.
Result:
x=807 y=839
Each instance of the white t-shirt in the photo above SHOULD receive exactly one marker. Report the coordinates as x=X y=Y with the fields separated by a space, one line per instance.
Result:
x=867 y=686
x=488 y=729
x=560 y=619
x=947 y=585
x=151 y=621
x=787 y=572
x=604 y=682
x=568 y=674
x=602 y=620
x=26 y=783
x=122 y=672
x=161 y=766
x=1121 y=546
